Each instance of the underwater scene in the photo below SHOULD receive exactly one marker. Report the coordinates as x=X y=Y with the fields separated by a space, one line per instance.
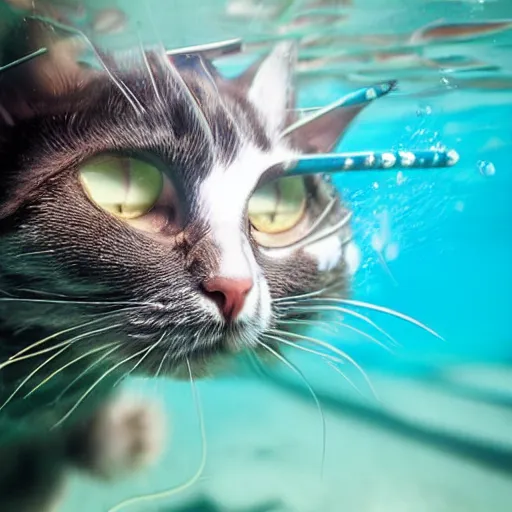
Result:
x=384 y=386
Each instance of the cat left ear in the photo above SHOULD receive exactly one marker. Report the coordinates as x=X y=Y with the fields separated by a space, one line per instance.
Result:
x=321 y=133
x=269 y=86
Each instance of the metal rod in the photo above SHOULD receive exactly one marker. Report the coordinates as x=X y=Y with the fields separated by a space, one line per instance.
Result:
x=22 y=60
x=210 y=50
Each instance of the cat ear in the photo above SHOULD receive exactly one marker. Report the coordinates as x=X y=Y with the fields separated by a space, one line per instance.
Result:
x=321 y=132
x=33 y=86
x=269 y=86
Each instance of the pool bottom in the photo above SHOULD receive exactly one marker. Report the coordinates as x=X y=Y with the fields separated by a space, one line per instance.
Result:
x=425 y=447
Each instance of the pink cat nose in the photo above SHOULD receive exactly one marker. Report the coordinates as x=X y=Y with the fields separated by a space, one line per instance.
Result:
x=229 y=294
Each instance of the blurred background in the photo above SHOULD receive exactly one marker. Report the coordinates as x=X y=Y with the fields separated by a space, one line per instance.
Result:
x=435 y=245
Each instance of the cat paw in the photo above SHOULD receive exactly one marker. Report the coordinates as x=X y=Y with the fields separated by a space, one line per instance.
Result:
x=124 y=436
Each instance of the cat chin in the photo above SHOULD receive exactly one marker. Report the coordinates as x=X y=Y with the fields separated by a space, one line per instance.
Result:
x=203 y=368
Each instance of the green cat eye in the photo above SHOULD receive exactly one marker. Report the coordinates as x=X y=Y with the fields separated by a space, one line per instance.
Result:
x=278 y=206
x=126 y=187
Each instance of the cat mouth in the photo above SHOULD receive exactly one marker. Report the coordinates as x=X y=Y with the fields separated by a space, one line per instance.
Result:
x=168 y=365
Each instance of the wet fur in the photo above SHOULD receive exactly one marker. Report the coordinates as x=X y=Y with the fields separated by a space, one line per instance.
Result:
x=55 y=245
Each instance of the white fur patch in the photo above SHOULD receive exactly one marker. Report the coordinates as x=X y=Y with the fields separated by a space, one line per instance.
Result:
x=279 y=252
x=352 y=257
x=223 y=197
x=327 y=252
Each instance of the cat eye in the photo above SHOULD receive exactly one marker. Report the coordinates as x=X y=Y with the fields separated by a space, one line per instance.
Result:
x=125 y=187
x=278 y=206
x=294 y=211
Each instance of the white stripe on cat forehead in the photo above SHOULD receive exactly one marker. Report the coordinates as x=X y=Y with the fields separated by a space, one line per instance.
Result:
x=223 y=199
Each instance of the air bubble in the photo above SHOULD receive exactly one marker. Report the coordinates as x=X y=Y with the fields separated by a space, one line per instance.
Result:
x=438 y=146
x=486 y=168
x=392 y=251
x=400 y=178
x=377 y=242
x=424 y=111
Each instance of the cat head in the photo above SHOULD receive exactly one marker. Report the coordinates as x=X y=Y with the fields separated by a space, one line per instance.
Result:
x=144 y=207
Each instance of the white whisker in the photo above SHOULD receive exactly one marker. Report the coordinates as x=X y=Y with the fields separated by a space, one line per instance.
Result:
x=139 y=362
x=81 y=374
x=365 y=335
x=339 y=309
x=79 y=302
x=323 y=355
x=291 y=299
x=334 y=330
x=125 y=91
x=30 y=375
x=297 y=371
x=66 y=345
x=326 y=233
x=148 y=67
x=56 y=335
x=347 y=379
x=160 y=366
x=34 y=253
x=79 y=358
x=16 y=359
x=95 y=383
x=331 y=348
x=328 y=359
x=193 y=102
x=311 y=323
x=389 y=311
x=202 y=465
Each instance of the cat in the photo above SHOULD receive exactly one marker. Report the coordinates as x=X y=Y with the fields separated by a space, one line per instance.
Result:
x=146 y=227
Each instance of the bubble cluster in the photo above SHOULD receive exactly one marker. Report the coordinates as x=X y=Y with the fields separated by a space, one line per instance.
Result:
x=486 y=168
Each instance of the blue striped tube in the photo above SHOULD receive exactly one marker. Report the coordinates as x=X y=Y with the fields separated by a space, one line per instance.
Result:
x=363 y=95
x=371 y=160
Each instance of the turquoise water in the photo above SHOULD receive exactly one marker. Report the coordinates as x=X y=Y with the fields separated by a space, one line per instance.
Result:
x=435 y=245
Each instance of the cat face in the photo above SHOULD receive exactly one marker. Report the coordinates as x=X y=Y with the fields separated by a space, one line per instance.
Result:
x=149 y=214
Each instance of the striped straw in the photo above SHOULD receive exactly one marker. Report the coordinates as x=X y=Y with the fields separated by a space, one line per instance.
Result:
x=363 y=95
x=371 y=161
